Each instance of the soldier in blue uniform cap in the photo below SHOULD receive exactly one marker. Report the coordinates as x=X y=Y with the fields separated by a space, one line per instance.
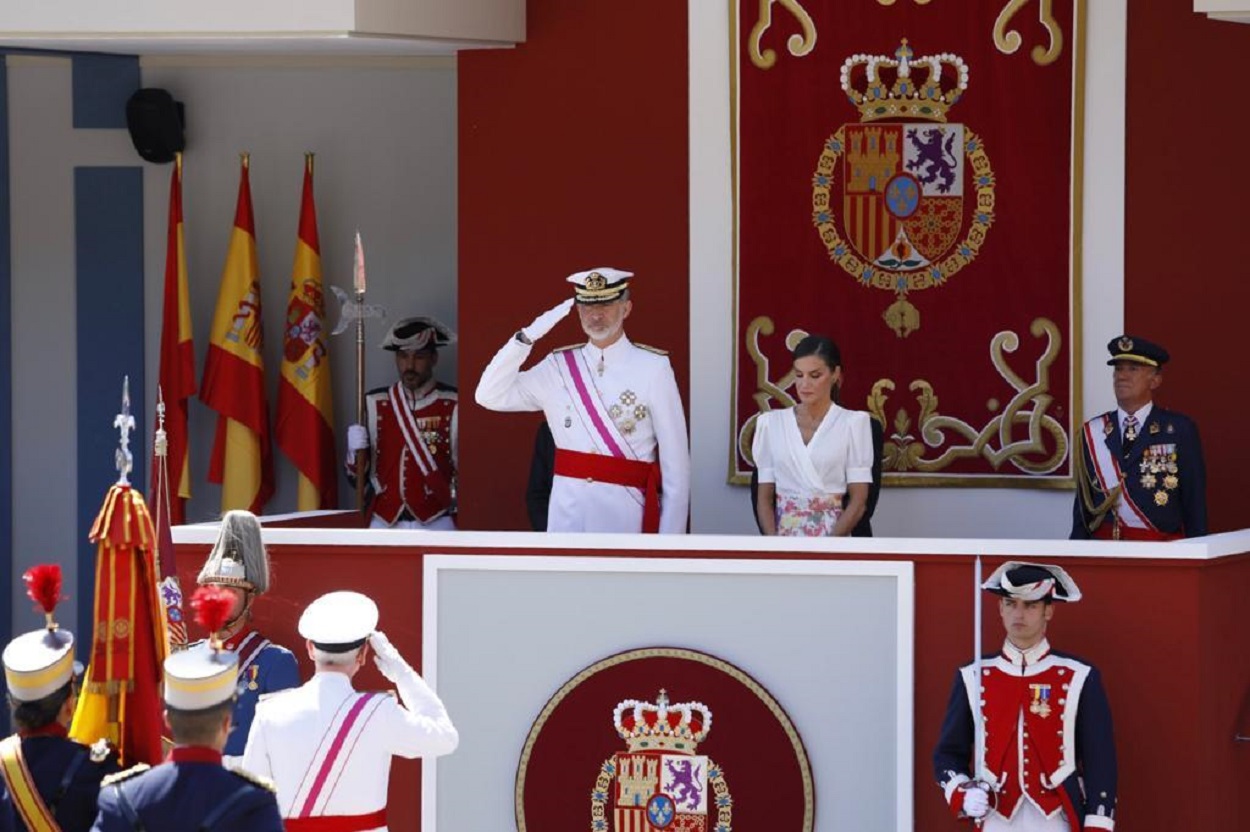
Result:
x=1139 y=470
x=191 y=790
x=47 y=780
x=239 y=565
x=1027 y=742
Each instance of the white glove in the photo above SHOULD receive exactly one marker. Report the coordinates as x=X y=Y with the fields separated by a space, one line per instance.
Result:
x=387 y=658
x=976 y=802
x=357 y=438
x=545 y=322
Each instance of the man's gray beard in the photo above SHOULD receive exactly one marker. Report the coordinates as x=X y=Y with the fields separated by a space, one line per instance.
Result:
x=607 y=333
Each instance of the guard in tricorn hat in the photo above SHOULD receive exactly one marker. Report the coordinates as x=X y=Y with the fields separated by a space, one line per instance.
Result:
x=192 y=790
x=622 y=462
x=1140 y=471
x=328 y=726
x=239 y=565
x=47 y=780
x=1041 y=724
x=411 y=434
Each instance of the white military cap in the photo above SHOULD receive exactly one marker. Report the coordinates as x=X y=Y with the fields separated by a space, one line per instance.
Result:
x=418 y=333
x=200 y=677
x=601 y=285
x=339 y=621
x=1032 y=582
x=39 y=663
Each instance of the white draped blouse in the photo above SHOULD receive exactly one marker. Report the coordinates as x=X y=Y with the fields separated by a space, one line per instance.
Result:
x=840 y=452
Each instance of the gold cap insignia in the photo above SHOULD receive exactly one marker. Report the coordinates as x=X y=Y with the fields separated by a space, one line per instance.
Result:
x=1125 y=344
x=596 y=282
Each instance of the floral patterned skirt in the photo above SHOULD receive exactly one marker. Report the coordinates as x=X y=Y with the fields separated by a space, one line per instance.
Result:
x=807 y=515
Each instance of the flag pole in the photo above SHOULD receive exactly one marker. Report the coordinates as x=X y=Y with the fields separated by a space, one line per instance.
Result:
x=358 y=285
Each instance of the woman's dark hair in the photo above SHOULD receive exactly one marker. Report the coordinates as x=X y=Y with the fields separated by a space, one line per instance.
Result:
x=824 y=349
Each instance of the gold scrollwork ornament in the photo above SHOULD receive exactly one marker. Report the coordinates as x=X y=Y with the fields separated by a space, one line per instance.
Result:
x=797 y=44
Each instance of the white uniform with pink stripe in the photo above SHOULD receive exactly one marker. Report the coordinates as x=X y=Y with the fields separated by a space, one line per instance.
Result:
x=329 y=748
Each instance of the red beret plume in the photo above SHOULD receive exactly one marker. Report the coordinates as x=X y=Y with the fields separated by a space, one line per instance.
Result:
x=211 y=605
x=43 y=585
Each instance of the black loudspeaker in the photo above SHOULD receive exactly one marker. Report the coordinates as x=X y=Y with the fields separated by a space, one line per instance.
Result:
x=156 y=122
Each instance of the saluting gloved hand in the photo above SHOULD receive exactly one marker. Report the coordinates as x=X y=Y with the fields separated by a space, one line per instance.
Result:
x=976 y=802
x=387 y=658
x=357 y=438
x=545 y=322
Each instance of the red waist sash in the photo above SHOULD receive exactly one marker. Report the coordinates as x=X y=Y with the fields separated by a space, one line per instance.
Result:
x=336 y=823
x=618 y=471
x=1107 y=531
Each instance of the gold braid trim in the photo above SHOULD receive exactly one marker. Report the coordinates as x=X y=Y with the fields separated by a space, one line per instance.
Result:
x=1085 y=486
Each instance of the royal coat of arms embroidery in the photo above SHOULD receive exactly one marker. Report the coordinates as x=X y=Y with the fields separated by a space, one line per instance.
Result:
x=889 y=193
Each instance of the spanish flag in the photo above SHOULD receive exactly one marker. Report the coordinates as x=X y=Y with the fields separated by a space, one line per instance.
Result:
x=234 y=372
x=305 y=428
x=177 y=371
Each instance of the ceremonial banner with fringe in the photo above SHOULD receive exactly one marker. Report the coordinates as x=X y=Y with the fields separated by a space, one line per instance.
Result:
x=234 y=372
x=908 y=183
x=177 y=367
x=121 y=698
x=305 y=428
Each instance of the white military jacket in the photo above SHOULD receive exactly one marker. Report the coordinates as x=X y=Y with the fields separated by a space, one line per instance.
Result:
x=294 y=729
x=638 y=391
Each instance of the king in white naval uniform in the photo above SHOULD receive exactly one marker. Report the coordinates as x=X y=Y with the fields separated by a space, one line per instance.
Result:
x=622 y=458
x=327 y=746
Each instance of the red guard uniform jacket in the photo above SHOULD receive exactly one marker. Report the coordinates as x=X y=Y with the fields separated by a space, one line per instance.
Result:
x=396 y=479
x=1047 y=728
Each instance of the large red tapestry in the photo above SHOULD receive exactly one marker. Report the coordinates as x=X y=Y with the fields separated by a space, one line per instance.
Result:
x=908 y=183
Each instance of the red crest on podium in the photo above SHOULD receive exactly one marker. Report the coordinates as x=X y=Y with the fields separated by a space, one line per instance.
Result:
x=654 y=775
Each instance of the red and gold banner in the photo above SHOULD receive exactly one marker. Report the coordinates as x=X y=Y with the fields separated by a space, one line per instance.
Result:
x=908 y=184
x=121 y=699
x=177 y=367
x=234 y=371
x=305 y=428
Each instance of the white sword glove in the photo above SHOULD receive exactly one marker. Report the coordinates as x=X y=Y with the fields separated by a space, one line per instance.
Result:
x=976 y=802
x=387 y=658
x=547 y=321
x=357 y=438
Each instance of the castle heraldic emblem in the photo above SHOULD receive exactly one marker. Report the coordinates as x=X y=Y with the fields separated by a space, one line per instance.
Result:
x=905 y=198
x=609 y=754
x=659 y=783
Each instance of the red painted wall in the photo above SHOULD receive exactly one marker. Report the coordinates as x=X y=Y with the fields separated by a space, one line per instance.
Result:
x=1163 y=633
x=1187 y=282
x=573 y=154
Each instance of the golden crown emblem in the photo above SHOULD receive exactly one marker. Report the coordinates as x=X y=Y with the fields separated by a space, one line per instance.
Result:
x=596 y=282
x=904 y=86
x=660 y=726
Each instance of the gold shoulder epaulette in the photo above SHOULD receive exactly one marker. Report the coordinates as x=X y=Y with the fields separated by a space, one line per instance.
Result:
x=650 y=348
x=569 y=347
x=255 y=779
x=118 y=777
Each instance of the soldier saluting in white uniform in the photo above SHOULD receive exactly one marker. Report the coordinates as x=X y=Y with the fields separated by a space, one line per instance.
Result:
x=327 y=746
x=622 y=459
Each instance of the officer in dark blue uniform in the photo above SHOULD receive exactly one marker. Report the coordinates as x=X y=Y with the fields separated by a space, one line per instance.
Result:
x=1140 y=472
x=47 y=780
x=239 y=564
x=191 y=790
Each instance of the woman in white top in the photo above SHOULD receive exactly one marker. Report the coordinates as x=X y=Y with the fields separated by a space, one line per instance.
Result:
x=809 y=456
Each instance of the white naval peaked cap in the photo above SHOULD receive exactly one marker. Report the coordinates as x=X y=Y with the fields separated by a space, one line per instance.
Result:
x=418 y=333
x=200 y=677
x=1032 y=582
x=602 y=285
x=39 y=663
x=339 y=621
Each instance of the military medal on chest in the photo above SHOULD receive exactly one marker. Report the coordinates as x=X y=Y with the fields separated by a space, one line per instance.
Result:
x=1040 y=705
x=1159 y=471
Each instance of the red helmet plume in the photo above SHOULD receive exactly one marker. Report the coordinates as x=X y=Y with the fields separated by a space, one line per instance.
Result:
x=212 y=606
x=43 y=586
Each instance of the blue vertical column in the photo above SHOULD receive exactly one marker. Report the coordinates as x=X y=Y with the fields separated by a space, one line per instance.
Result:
x=6 y=378
x=108 y=232
x=108 y=241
